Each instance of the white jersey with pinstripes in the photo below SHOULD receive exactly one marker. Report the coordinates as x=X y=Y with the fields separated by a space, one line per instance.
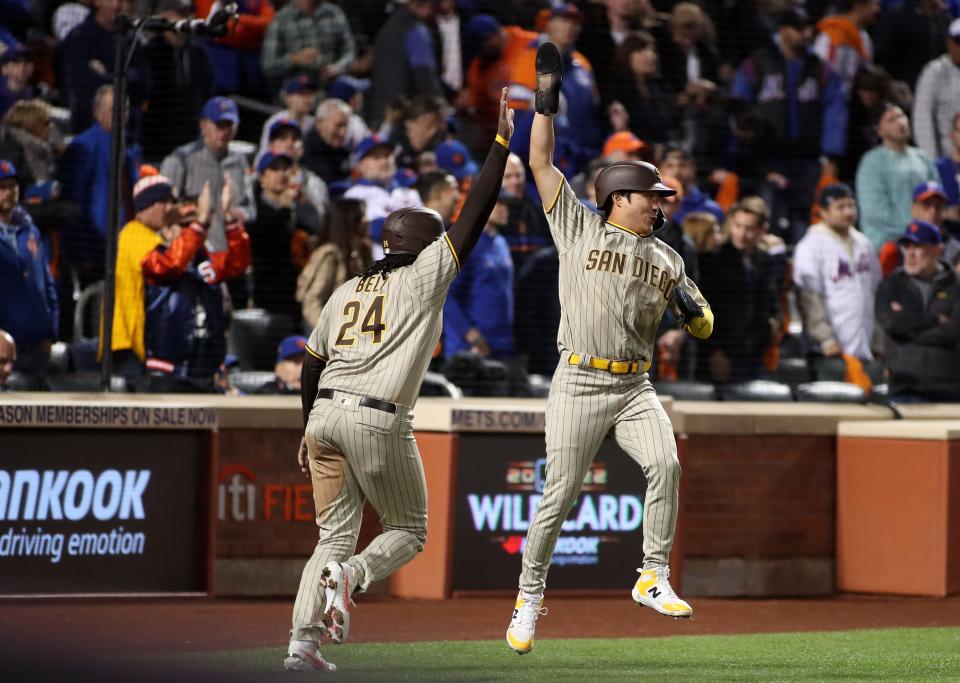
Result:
x=377 y=334
x=614 y=284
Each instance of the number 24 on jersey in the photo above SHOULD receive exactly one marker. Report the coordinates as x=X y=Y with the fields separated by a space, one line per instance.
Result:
x=372 y=321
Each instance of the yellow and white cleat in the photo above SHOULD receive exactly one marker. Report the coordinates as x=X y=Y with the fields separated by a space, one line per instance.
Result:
x=653 y=590
x=524 y=622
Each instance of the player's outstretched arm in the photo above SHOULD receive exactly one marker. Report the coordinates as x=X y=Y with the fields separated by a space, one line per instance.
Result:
x=485 y=190
x=549 y=78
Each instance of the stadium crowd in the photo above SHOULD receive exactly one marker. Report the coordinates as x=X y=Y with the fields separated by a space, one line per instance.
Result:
x=814 y=147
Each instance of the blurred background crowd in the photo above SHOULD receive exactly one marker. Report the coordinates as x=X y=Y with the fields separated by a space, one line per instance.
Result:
x=814 y=147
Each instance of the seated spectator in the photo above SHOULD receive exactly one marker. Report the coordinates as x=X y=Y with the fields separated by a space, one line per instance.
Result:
x=186 y=325
x=139 y=261
x=89 y=53
x=308 y=37
x=28 y=306
x=929 y=204
x=647 y=105
x=440 y=191
x=948 y=166
x=326 y=151
x=347 y=253
x=836 y=272
x=886 y=177
x=86 y=185
x=526 y=230
x=290 y=355
x=236 y=56
x=182 y=78
x=8 y=357
x=738 y=282
x=680 y=165
x=299 y=96
x=454 y=157
x=277 y=236
x=703 y=229
x=687 y=53
x=404 y=62
x=478 y=314
x=420 y=129
x=843 y=42
x=351 y=90
x=16 y=70
x=935 y=102
x=623 y=146
x=285 y=137
x=918 y=307
x=375 y=166
x=209 y=160
x=803 y=105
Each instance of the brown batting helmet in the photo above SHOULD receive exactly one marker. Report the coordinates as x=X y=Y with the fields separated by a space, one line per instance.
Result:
x=411 y=230
x=634 y=176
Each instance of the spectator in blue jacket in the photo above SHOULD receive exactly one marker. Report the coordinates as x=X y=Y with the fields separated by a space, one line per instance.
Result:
x=86 y=182
x=28 y=294
x=803 y=105
x=478 y=315
x=677 y=163
x=89 y=54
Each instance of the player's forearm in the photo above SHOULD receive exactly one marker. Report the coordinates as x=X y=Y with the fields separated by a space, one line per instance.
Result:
x=545 y=174
x=309 y=384
x=480 y=202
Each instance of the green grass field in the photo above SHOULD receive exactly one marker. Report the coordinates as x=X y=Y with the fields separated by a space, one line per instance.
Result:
x=894 y=654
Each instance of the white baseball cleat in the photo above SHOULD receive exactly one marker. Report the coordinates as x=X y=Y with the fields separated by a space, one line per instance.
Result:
x=340 y=582
x=303 y=655
x=653 y=590
x=524 y=622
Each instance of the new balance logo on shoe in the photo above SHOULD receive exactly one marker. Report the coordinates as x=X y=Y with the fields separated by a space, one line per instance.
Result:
x=654 y=592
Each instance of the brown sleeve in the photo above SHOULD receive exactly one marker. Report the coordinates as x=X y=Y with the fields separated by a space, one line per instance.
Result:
x=480 y=202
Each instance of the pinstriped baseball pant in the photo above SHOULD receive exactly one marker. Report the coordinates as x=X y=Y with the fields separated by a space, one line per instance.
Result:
x=356 y=454
x=583 y=407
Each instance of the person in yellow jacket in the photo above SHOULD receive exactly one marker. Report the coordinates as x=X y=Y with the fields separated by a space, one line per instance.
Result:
x=154 y=204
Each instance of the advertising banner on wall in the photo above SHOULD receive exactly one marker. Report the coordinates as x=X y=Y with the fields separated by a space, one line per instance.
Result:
x=106 y=511
x=499 y=483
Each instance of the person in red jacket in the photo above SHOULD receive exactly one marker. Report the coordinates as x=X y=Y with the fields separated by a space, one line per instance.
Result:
x=236 y=56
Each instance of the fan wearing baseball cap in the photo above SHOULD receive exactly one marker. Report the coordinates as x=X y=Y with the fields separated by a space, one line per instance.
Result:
x=930 y=204
x=209 y=160
x=289 y=365
x=918 y=307
x=29 y=310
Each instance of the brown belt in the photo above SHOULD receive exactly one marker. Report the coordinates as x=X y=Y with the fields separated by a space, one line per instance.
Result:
x=367 y=401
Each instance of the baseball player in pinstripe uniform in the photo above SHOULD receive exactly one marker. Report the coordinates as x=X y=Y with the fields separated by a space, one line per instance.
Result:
x=361 y=376
x=616 y=281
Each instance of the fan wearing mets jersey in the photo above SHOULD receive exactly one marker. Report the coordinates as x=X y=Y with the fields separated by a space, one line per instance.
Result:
x=364 y=365
x=616 y=280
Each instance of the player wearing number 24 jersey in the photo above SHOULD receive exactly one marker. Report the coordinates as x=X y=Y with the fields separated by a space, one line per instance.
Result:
x=364 y=365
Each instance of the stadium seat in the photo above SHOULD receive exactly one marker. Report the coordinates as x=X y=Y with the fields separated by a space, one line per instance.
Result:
x=687 y=391
x=248 y=381
x=791 y=371
x=477 y=376
x=830 y=392
x=18 y=381
x=85 y=382
x=539 y=386
x=792 y=346
x=86 y=315
x=59 y=359
x=757 y=390
x=254 y=336
x=880 y=391
x=435 y=384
